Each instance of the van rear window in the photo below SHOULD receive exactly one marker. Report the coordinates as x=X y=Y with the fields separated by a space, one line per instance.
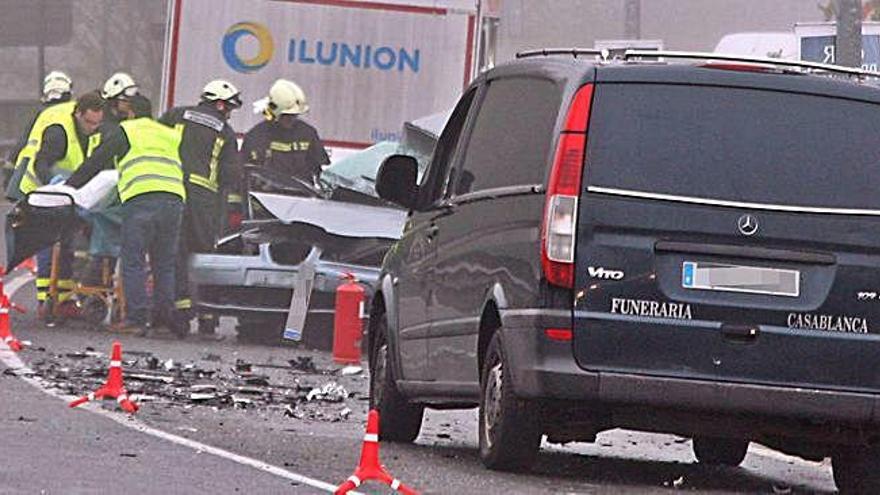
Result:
x=732 y=144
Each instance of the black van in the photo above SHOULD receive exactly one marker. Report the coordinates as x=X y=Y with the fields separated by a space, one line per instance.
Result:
x=688 y=247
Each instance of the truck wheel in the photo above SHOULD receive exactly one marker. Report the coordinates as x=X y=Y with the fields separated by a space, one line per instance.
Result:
x=857 y=470
x=399 y=420
x=720 y=451
x=510 y=429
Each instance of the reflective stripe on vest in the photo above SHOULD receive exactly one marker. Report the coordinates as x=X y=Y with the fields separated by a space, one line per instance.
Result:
x=61 y=114
x=153 y=162
x=209 y=182
x=94 y=142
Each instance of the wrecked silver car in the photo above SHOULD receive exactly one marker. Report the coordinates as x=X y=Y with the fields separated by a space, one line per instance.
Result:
x=297 y=235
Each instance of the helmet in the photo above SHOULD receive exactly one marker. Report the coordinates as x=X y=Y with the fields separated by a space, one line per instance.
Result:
x=285 y=97
x=120 y=85
x=57 y=75
x=221 y=90
x=56 y=84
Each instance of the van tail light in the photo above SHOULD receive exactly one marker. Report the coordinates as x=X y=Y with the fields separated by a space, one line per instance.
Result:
x=563 y=192
x=559 y=334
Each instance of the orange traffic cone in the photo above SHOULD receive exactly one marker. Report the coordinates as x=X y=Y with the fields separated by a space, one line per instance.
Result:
x=5 y=333
x=113 y=388
x=369 y=467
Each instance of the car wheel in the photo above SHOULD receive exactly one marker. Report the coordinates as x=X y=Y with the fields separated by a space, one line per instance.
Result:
x=720 y=451
x=399 y=420
x=510 y=429
x=857 y=470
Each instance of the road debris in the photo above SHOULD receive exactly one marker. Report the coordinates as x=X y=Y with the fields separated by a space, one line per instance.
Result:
x=242 y=366
x=676 y=483
x=330 y=392
x=303 y=363
x=296 y=388
x=351 y=370
x=213 y=358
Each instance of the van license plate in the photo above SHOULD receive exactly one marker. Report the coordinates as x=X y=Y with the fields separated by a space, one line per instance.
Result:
x=735 y=278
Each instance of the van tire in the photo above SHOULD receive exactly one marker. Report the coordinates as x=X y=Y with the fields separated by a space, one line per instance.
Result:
x=509 y=427
x=857 y=470
x=720 y=451
x=399 y=420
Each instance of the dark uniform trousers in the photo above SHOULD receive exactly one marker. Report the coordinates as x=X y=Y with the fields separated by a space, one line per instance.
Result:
x=201 y=219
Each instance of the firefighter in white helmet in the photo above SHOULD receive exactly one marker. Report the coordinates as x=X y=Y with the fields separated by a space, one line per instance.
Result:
x=209 y=154
x=57 y=88
x=118 y=90
x=284 y=142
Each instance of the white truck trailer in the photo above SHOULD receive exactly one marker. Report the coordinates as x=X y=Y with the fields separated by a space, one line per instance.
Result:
x=366 y=66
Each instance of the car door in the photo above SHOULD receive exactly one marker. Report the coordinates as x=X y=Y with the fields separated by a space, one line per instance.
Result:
x=486 y=236
x=414 y=277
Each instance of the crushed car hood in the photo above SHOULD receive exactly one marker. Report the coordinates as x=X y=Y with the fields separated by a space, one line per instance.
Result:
x=335 y=217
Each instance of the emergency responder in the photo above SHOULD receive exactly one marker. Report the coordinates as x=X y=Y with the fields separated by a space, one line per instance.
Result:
x=118 y=91
x=56 y=147
x=151 y=188
x=284 y=142
x=209 y=153
x=57 y=88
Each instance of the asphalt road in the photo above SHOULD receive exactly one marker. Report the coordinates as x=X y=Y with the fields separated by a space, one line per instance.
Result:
x=260 y=432
x=48 y=448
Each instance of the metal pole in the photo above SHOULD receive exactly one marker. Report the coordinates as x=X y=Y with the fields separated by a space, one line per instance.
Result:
x=848 y=49
x=41 y=48
x=633 y=19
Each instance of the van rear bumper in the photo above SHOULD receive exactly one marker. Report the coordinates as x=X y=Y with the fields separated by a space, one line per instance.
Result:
x=546 y=369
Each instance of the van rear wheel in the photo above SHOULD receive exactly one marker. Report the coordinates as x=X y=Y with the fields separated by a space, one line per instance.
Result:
x=510 y=427
x=720 y=451
x=857 y=470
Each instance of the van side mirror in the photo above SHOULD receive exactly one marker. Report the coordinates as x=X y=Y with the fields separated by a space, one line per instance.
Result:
x=396 y=181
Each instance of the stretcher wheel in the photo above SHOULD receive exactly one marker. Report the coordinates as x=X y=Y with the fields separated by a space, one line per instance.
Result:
x=95 y=310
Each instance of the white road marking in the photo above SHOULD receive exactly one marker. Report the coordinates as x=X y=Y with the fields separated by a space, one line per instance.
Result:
x=11 y=360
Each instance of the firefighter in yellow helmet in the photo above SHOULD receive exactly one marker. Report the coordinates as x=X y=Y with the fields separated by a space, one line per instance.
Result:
x=151 y=188
x=57 y=146
x=285 y=142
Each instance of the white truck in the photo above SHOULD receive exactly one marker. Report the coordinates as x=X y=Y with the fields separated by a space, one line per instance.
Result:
x=366 y=66
x=809 y=41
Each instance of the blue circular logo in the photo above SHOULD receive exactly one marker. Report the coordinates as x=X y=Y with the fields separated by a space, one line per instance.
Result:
x=230 y=45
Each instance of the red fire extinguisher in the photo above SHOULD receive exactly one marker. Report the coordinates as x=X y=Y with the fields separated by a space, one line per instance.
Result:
x=347 y=322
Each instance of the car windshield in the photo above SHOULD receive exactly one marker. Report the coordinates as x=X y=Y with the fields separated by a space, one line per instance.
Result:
x=358 y=171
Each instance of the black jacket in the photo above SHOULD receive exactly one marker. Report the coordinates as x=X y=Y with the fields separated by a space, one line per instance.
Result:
x=202 y=126
x=296 y=150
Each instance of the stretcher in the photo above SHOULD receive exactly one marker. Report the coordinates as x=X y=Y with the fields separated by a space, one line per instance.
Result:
x=41 y=220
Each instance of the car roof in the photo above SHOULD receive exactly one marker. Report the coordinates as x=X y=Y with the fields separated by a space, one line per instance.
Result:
x=579 y=70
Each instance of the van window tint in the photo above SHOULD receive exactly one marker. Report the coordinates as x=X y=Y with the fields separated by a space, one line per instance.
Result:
x=434 y=182
x=511 y=136
x=735 y=144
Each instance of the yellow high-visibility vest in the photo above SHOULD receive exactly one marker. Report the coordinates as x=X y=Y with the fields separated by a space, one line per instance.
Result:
x=61 y=114
x=153 y=162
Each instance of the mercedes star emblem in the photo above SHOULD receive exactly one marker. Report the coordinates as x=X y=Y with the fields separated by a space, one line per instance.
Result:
x=748 y=224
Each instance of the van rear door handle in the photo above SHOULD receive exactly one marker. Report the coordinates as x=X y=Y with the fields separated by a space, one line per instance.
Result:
x=740 y=333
